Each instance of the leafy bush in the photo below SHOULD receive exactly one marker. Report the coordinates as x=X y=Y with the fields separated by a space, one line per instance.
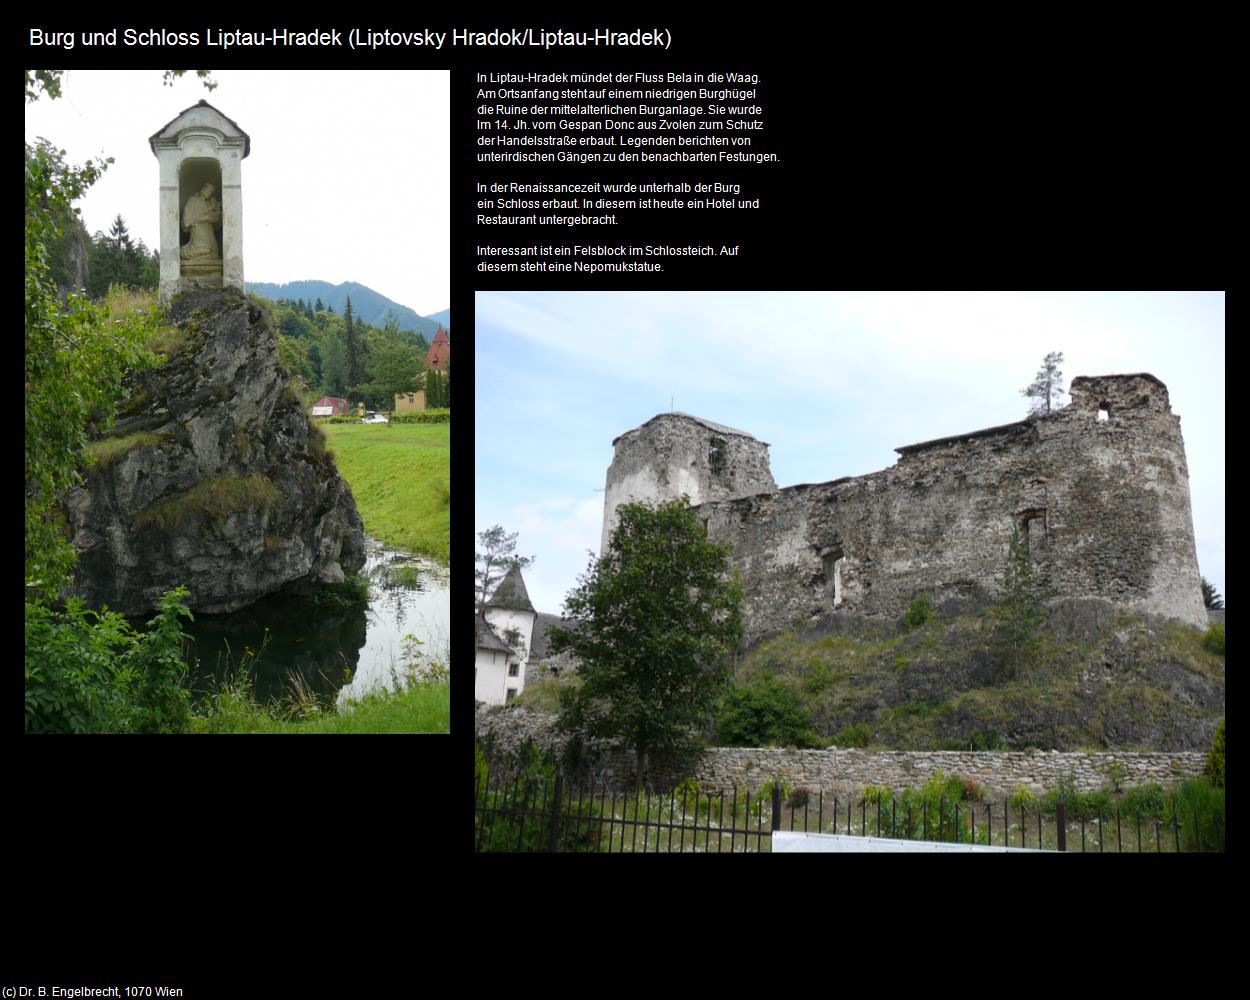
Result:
x=856 y=736
x=918 y=612
x=1022 y=798
x=798 y=798
x=985 y=739
x=422 y=417
x=767 y=712
x=90 y=672
x=510 y=820
x=1144 y=802
x=1199 y=809
x=1215 y=760
x=1213 y=641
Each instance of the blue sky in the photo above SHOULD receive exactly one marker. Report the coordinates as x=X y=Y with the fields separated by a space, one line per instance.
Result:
x=833 y=381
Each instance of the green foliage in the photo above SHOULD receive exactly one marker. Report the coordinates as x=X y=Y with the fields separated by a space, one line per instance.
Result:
x=89 y=672
x=858 y=736
x=1145 y=802
x=1116 y=776
x=765 y=713
x=162 y=703
x=494 y=555
x=985 y=739
x=1199 y=809
x=652 y=622
x=422 y=417
x=1213 y=639
x=1022 y=610
x=1023 y=799
x=108 y=450
x=1215 y=760
x=114 y=260
x=918 y=612
x=1046 y=389
x=211 y=499
x=498 y=828
x=76 y=362
x=1210 y=596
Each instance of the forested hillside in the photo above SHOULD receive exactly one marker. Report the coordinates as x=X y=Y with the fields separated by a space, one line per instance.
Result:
x=369 y=306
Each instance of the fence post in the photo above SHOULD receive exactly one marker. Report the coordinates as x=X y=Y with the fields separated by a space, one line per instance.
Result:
x=1062 y=823
x=776 y=805
x=555 y=812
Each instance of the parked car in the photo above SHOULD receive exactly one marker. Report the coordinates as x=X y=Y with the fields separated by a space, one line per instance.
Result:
x=375 y=418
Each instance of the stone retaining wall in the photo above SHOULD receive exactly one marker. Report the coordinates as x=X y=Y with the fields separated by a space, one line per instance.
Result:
x=842 y=771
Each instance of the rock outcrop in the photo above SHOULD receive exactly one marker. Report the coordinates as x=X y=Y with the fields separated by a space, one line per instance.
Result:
x=212 y=477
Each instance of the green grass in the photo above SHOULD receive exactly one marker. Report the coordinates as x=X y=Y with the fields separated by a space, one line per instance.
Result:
x=108 y=450
x=400 y=476
x=421 y=708
x=211 y=498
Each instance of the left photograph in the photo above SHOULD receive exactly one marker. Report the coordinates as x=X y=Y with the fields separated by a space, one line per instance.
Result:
x=237 y=402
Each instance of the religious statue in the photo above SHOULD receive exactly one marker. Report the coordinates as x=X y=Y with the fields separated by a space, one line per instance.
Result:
x=201 y=213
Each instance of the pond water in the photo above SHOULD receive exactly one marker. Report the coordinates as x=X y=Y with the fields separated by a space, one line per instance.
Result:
x=338 y=652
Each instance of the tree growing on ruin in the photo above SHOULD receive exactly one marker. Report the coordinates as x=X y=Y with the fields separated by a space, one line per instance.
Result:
x=1046 y=389
x=651 y=624
x=494 y=556
x=1022 y=607
x=1210 y=596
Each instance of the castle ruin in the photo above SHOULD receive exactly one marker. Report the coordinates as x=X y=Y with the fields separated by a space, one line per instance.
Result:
x=1100 y=489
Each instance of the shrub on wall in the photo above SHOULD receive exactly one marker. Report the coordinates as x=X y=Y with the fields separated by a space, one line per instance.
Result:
x=765 y=713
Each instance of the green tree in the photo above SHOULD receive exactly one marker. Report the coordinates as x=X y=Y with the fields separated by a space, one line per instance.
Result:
x=355 y=359
x=652 y=623
x=494 y=556
x=1022 y=608
x=76 y=359
x=433 y=390
x=1046 y=389
x=765 y=713
x=334 y=366
x=319 y=307
x=1210 y=596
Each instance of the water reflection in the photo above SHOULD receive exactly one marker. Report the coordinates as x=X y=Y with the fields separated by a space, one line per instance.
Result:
x=338 y=652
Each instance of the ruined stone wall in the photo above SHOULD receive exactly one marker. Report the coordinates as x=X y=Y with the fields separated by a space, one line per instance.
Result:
x=1105 y=504
x=846 y=771
x=674 y=454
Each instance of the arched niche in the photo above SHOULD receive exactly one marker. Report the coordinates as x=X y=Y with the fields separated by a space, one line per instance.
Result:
x=193 y=174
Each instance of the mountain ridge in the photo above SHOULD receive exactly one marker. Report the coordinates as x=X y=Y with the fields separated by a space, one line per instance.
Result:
x=370 y=306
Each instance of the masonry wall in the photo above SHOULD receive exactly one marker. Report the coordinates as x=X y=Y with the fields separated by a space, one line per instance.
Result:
x=1105 y=503
x=843 y=771
x=674 y=455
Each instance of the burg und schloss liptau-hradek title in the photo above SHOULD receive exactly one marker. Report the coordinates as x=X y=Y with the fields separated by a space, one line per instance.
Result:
x=354 y=38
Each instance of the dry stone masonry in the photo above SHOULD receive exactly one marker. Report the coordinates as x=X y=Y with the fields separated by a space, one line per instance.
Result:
x=1100 y=488
x=845 y=771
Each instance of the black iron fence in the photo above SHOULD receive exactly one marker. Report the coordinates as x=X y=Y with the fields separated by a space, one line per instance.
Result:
x=528 y=812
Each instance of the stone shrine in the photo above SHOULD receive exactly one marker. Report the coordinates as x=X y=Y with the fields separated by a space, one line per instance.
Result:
x=200 y=152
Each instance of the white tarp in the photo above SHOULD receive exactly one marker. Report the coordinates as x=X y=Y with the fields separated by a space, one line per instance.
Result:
x=323 y=411
x=831 y=843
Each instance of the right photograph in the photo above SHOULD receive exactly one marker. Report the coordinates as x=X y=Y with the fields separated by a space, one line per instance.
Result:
x=839 y=571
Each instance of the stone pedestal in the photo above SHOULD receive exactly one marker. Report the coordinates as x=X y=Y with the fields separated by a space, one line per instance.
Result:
x=200 y=147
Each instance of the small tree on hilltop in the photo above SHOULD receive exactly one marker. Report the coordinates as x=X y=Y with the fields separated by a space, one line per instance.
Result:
x=495 y=555
x=651 y=624
x=1046 y=389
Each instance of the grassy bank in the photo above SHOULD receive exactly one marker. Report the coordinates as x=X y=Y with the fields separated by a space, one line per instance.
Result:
x=400 y=475
x=421 y=708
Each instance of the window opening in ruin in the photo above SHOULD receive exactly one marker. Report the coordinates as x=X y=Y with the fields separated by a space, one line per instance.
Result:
x=1104 y=411
x=833 y=562
x=716 y=455
x=1033 y=525
x=510 y=695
